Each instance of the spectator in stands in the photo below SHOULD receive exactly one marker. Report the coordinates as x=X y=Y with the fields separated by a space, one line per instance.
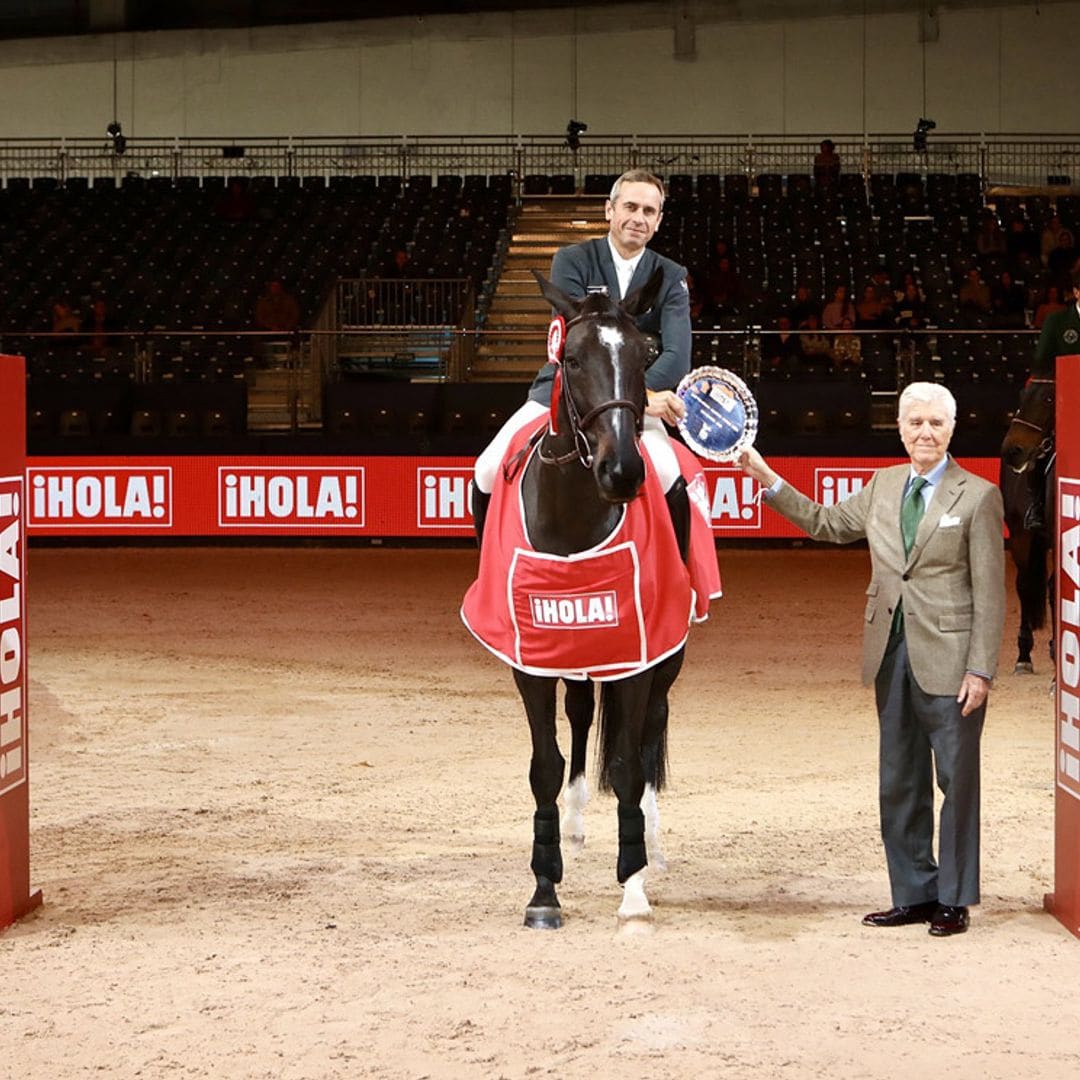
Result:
x=1020 y=243
x=838 y=309
x=236 y=205
x=883 y=288
x=846 y=349
x=1056 y=247
x=899 y=295
x=277 y=309
x=974 y=297
x=870 y=312
x=65 y=320
x=781 y=351
x=804 y=306
x=1007 y=302
x=725 y=288
x=97 y=325
x=702 y=313
x=814 y=345
x=911 y=308
x=1051 y=303
x=399 y=266
x=989 y=239
x=826 y=165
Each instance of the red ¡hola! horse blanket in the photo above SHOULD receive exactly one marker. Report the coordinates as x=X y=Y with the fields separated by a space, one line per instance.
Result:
x=605 y=613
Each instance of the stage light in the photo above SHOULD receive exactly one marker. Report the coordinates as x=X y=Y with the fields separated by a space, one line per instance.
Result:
x=114 y=131
x=573 y=133
x=922 y=128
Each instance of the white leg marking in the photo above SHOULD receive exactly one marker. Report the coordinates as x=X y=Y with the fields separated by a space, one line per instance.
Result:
x=651 y=810
x=635 y=904
x=572 y=827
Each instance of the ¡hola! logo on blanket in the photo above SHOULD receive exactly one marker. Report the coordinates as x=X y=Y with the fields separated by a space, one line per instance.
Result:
x=733 y=502
x=832 y=486
x=442 y=498
x=107 y=497
x=290 y=497
x=581 y=611
x=12 y=621
x=1068 y=683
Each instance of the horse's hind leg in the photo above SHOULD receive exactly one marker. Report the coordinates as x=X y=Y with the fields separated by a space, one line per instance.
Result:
x=580 y=703
x=545 y=778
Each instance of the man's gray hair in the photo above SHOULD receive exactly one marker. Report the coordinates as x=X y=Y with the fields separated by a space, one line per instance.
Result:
x=638 y=176
x=927 y=393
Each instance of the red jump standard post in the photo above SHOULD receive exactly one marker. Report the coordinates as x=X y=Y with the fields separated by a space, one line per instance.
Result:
x=16 y=898
x=1064 y=901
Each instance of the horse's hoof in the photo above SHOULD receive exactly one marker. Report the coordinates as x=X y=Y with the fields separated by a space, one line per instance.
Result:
x=636 y=925
x=1024 y=667
x=573 y=844
x=543 y=918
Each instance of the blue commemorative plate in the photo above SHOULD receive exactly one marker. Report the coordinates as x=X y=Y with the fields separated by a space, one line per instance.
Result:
x=721 y=414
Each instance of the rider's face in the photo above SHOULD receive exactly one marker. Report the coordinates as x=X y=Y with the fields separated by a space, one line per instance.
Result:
x=633 y=217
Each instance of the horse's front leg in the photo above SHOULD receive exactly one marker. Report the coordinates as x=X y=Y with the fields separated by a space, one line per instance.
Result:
x=654 y=753
x=545 y=778
x=624 y=705
x=580 y=704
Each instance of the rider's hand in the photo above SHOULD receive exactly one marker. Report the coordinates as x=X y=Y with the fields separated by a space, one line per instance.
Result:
x=665 y=404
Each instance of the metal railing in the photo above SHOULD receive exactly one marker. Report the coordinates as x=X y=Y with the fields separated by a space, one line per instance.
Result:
x=998 y=160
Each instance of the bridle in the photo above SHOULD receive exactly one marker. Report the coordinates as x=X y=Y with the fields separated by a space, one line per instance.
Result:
x=1044 y=431
x=578 y=424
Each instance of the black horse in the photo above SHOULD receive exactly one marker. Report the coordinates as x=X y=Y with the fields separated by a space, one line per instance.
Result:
x=1027 y=483
x=579 y=474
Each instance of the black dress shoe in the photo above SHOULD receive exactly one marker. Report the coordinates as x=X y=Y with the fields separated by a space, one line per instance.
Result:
x=949 y=920
x=903 y=915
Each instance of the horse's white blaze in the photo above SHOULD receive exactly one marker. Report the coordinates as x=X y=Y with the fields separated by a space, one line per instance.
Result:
x=635 y=904
x=611 y=337
x=575 y=799
x=651 y=810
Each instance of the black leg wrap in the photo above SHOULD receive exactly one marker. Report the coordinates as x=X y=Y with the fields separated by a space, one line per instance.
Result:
x=547 y=854
x=632 y=856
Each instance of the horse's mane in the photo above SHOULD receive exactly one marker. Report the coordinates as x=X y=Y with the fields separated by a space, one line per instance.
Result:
x=602 y=306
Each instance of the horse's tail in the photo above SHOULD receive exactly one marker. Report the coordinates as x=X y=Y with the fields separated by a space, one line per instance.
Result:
x=653 y=749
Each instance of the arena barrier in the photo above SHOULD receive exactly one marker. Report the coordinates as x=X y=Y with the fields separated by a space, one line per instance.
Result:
x=16 y=899
x=1064 y=901
x=355 y=497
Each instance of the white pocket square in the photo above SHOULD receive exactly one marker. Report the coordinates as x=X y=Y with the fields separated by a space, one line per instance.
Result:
x=948 y=521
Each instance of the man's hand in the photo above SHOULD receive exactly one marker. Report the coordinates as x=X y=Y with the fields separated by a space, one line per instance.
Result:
x=666 y=404
x=973 y=691
x=753 y=464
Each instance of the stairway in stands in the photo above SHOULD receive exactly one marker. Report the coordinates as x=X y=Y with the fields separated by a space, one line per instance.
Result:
x=512 y=347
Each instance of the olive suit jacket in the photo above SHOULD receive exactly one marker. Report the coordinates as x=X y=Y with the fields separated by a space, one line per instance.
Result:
x=952 y=584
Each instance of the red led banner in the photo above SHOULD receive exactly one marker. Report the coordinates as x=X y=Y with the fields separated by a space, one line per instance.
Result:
x=369 y=496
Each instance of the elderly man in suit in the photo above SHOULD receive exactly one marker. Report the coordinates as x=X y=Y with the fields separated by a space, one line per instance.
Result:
x=933 y=623
x=617 y=265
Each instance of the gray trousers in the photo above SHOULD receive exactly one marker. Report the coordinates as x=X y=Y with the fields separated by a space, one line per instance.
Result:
x=922 y=732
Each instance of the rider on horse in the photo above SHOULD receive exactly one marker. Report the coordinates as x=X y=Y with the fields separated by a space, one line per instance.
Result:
x=615 y=266
x=1060 y=336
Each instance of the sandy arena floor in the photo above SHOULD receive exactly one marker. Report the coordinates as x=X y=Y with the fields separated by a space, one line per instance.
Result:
x=282 y=822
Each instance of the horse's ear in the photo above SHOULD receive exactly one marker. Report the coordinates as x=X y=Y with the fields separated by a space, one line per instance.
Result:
x=567 y=307
x=640 y=300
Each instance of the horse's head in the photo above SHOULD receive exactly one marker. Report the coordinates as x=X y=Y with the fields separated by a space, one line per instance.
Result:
x=601 y=402
x=1031 y=431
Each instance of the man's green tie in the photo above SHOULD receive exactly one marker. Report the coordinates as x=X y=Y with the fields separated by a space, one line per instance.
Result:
x=911 y=512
